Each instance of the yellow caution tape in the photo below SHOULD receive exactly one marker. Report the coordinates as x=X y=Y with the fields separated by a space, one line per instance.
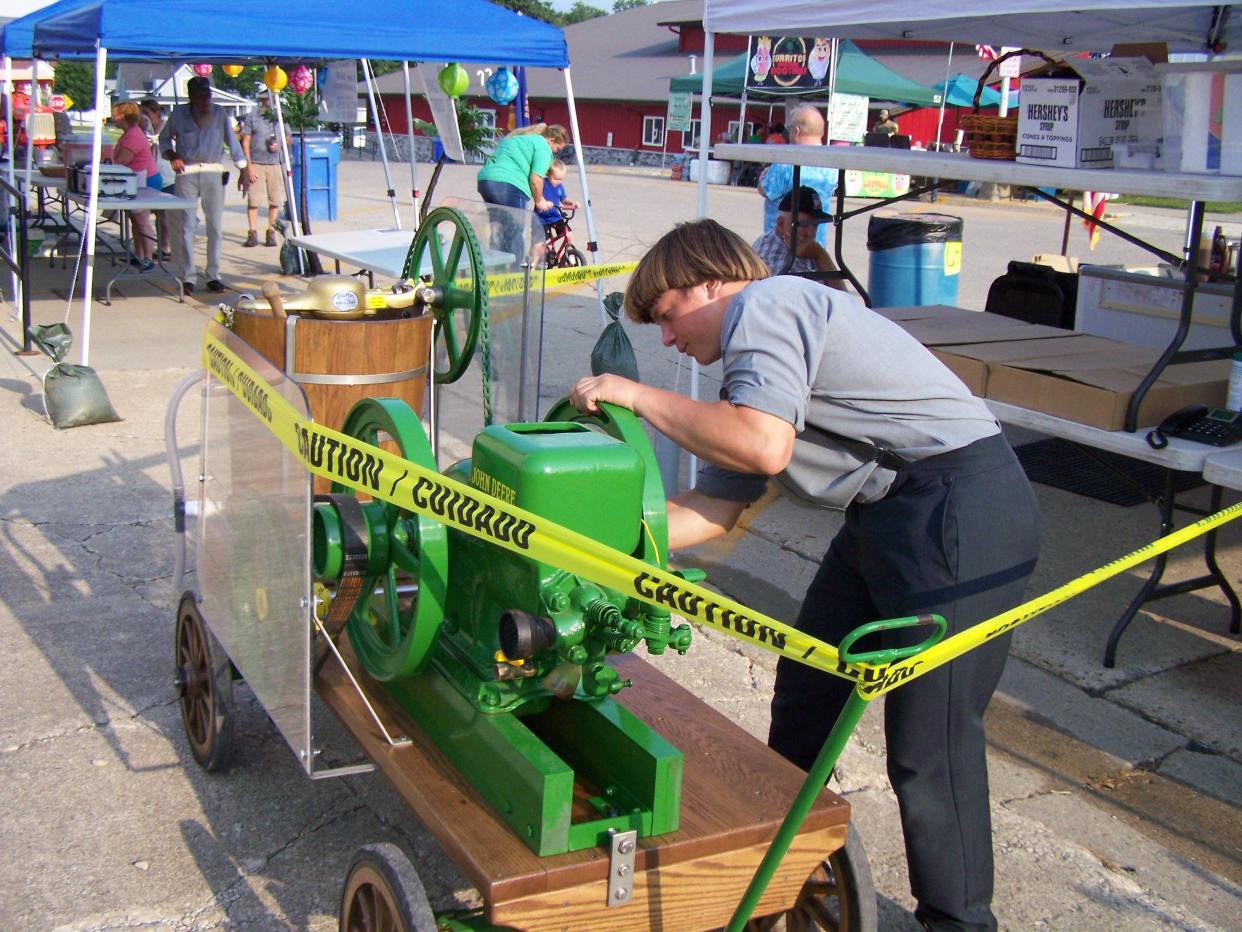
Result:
x=953 y=647
x=363 y=467
x=509 y=283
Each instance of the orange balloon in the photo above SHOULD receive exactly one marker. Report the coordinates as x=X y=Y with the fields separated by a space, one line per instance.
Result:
x=232 y=70
x=275 y=79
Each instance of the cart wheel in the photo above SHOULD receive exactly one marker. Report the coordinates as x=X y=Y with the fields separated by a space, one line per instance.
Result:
x=838 y=896
x=573 y=258
x=459 y=284
x=204 y=679
x=383 y=892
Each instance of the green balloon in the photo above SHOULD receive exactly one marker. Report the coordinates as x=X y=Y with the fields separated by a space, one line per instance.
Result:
x=453 y=79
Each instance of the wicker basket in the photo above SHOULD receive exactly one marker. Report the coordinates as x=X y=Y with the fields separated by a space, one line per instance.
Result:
x=52 y=171
x=988 y=136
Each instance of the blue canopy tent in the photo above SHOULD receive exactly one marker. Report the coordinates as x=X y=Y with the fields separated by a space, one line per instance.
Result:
x=293 y=31
x=959 y=91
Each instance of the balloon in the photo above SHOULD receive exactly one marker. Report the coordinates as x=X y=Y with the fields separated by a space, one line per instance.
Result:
x=301 y=80
x=232 y=70
x=453 y=79
x=274 y=78
x=203 y=71
x=502 y=87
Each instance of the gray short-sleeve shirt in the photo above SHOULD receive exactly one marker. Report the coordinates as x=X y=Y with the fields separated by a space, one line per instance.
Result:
x=819 y=359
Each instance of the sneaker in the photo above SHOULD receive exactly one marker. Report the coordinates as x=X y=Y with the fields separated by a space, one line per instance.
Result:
x=252 y=239
x=216 y=285
x=271 y=238
x=146 y=265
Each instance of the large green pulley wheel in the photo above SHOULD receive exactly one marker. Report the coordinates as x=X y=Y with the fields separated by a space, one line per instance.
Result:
x=621 y=424
x=393 y=627
x=445 y=254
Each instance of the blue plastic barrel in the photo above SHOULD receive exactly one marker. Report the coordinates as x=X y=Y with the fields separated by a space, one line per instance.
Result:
x=915 y=259
x=323 y=154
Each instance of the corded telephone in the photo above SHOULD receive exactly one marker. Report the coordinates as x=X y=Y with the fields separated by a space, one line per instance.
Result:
x=1216 y=427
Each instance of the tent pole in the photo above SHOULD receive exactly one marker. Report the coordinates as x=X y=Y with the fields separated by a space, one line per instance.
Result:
x=705 y=135
x=11 y=151
x=592 y=243
x=290 y=198
x=409 y=129
x=379 y=138
x=741 y=115
x=705 y=123
x=92 y=202
x=834 y=58
x=948 y=70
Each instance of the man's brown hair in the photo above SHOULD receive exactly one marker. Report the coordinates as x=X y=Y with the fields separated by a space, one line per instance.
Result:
x=690 y=254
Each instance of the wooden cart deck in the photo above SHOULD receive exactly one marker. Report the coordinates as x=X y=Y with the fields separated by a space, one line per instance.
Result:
x=735 y=792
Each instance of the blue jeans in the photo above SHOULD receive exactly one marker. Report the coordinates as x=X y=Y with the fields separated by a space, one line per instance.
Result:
x=506 y=231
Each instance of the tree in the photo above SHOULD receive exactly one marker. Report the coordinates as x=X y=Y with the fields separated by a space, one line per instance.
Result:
x=581 y=12
x=476 y=137
x=243 y=84
x=77 y=80
x=620 y=6
x=536 y=9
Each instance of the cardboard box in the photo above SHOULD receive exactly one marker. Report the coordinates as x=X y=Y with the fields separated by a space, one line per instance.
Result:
x=978 y=328
x=1095 y=388
x=922 y=312
x=1073 y=121
x=971 y=362
x=1196 y=120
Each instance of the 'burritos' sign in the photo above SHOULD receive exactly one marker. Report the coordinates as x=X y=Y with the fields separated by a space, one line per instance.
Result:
x=788 y=64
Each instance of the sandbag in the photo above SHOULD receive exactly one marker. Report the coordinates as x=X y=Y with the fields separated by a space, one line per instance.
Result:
x=613 y=353
x=73 y=396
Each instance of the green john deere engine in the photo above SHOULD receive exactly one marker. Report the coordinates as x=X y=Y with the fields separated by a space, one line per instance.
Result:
x=500 y=658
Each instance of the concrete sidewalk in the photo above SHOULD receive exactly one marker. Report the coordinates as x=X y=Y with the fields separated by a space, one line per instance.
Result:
x=1115 y=793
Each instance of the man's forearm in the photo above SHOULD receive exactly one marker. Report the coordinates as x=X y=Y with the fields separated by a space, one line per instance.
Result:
x=735 y=437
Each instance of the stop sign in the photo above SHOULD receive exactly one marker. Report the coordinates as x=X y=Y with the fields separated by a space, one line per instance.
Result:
x=58 y=102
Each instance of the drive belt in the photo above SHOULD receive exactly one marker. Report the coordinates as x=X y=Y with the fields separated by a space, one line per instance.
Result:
x=352 y=581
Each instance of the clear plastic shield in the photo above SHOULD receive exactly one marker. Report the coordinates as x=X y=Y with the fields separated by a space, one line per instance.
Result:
x=253 y=548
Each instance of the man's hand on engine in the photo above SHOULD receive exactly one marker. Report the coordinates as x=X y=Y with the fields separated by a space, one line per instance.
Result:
x=589 y=391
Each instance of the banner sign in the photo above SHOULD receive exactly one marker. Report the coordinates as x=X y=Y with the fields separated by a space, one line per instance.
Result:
x=678 y=112
x=848 y=117
x=338 y=90
x=789 y=64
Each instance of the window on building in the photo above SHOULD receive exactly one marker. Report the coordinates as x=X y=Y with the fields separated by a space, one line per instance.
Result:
x=653 y=131
x=747 y=130
x=487 y=118
x=690 y=138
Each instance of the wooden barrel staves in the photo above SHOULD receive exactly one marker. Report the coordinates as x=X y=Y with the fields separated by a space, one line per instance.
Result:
x=339 y=362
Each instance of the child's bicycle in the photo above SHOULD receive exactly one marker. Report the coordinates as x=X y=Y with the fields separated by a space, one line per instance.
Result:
x=559 y=249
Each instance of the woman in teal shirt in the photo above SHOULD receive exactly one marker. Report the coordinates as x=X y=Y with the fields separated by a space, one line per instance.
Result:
x=513 y=176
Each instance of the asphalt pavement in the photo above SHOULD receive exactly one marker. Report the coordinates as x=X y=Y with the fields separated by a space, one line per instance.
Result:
x=1115 y=792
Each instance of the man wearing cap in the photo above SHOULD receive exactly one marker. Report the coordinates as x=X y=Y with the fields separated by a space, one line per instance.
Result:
x=193 y=140
x=806 y=128
x=260 y=141
x=809 y=257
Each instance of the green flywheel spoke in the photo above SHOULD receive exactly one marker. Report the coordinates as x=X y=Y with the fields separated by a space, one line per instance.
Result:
x=459 y=261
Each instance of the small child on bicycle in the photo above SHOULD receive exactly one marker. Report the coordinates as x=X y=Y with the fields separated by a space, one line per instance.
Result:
x=554 y=191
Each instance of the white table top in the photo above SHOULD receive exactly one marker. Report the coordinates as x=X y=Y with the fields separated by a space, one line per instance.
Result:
x=380 y=251
x=34 y=177
x=147 y=199
x=963 y=168
x=1224 y=467
x=1179 y=454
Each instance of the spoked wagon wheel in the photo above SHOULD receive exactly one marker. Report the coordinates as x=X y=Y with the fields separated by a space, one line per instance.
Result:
x=839 y=896
x=383 y=894
x=204 y=679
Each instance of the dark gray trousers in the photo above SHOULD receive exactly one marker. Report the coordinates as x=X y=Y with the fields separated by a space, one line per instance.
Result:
x=958 y=535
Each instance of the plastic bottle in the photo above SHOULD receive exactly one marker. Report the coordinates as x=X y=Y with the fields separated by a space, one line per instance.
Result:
x=1234 y=399
x=1220 y=251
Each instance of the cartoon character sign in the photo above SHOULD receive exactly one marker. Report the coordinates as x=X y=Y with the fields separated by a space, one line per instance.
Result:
x=761 y=61
x=820 y=60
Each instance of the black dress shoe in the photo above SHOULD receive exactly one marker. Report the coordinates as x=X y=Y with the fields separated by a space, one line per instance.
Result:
x=187 y=288
x=216 y=285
